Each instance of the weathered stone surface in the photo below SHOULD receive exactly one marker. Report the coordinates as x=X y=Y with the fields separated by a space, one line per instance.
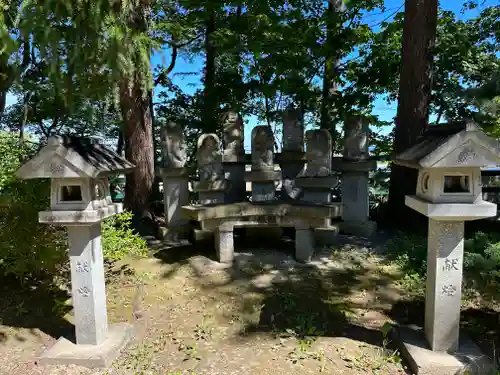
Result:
x=263 y=175
x=443 y=292
x=211 y=196
x=355 y=139
x=233 y=131
x=217 y=185
x=263 y=191
x=304 y=245
x=318 y=153
x=243 y=209
x=452 y=211
x=460 y=144
x=175 y=195
x=262 y=148
x=224 y=245
x=340 y=164
x=355 y=196
x=209 y=158
x=73 y=157
x=318 y=183
x=234 y=173
x=326 y=235
x=87 y=284
x=423 y=361
x=64 y=218
x=65 y=352
x=293 y=130
x=173 y=147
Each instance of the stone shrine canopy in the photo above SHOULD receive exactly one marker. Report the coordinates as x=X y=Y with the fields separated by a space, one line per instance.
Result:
x=73 y=157
x=458 y=144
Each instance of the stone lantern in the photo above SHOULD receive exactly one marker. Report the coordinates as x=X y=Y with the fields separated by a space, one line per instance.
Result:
x=449 y=159
x=80 y=200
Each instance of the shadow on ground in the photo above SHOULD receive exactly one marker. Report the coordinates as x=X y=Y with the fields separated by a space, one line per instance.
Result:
x=320 y=299
x=33 y=306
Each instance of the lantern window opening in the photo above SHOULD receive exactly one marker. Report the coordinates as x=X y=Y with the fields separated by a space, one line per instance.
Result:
x=457 y=184
x=70 y=194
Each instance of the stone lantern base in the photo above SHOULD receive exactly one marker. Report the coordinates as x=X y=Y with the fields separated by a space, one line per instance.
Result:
x=66 y=352
x=424 y=361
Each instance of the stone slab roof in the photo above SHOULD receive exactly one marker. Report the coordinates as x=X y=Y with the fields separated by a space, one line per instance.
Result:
x=458 y=144
x=73 y=157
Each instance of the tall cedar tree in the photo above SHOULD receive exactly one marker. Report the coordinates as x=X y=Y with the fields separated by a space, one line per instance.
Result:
x=419 y=32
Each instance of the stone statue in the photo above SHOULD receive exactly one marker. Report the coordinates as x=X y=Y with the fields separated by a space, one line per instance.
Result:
x=293 y=130
x=318 y=153
x=173 y=146
x=262 y=148
x=209 y=158
x=355 y=139
x=233 y=133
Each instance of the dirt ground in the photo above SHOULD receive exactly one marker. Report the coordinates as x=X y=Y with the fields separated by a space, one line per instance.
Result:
x=266 y=314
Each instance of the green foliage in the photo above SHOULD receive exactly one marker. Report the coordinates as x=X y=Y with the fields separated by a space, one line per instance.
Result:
x=27 y=249
x=481 y=259
x=119 y=239
x=482 y=256
x=12 y=152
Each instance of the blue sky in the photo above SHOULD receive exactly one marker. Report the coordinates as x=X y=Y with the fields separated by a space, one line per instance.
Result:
x=385 y=111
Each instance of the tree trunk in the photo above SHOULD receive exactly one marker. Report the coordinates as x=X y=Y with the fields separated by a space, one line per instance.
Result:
x=419 y=31
x=330 y=86
x=138 y=134
x=210 y=120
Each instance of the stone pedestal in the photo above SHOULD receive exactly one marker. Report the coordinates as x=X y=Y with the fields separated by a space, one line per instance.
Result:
x=87 y=284
x=304 y=244
x=234 y=173
x=443 y=296
x=355 y=199
x=175 y=195
x=96 y=344
x=224 y=244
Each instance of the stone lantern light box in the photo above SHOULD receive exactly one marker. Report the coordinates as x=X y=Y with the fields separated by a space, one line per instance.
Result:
x=78 y=169
x=449 y=159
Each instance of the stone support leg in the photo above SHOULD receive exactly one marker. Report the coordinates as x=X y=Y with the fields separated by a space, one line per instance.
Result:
x=224 y=244
x=444 y=284
x=87 y=284
x=304 y=244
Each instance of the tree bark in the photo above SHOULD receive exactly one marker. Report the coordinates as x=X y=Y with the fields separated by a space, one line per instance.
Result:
x=330 y=86
x=210 y=121
x=138 y=135
x=419 y=32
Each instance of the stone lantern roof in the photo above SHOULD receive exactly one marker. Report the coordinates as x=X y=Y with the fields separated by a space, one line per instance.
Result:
x=457 y=144
x=73 y=157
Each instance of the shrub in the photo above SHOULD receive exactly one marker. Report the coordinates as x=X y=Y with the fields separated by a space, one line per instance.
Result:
x=119 y=239
x=28 y=249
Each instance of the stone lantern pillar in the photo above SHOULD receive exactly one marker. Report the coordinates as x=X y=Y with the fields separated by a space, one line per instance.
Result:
x=80 y=200
x=449 y=158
